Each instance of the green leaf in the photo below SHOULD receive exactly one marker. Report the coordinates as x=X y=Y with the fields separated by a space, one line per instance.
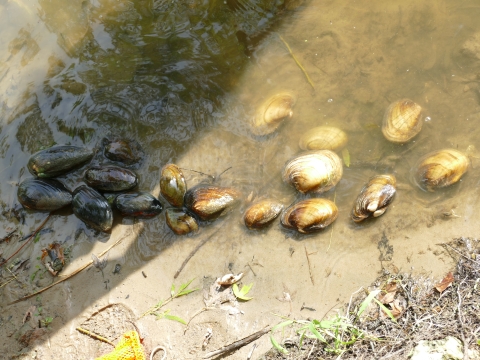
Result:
x=367 y=301
x=175 y=318
x=183 y=289
x=478 y=342
x=385 y=310
x=301 y=338
x=315 y=332
x=241 y=294
x=282 y=325
x=277 y=346
x=172 y=290
x=37 y=237
x=346 y=157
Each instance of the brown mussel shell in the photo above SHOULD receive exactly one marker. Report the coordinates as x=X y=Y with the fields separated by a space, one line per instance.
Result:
x=313 y=171
x=43 y=194
x=211 y=202
x=309 y=215
x=374 y=198
x=110 y=178
x=92 y=208
x=323 y=138
x=180 y=222
x=440 y=169
x=142 y=205
x=262 y=213
x=402 y=121
x=270 y=115
x=173 y=185
x=126 y=151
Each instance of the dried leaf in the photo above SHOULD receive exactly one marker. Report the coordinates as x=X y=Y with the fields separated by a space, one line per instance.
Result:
x=387 y=298
x=446 y=282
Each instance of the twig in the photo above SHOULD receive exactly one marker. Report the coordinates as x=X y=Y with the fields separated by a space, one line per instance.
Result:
x=28 y=241
x=311 y=350
x=66 y=277
x=194 y=251
x=239 y=343
x=309 y=266
x=249 y=356
x=462 y=327
x=298 y=62
x=154 y=351
x=95 y=336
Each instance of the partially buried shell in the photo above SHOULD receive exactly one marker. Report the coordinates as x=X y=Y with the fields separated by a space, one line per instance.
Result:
x=374 y=198
x=92 y=208
x=270 y=115
x=262 y=213
x=43 y=194
x=309 y=215
x=57 y=160
x=440 y=168
x=323 y=138
x=402 y=121
x=173 y=185
x=180 y=222
x=210 y=202
x=110 y=178
x=142 y=205
x=126 y=151
x=313 y=171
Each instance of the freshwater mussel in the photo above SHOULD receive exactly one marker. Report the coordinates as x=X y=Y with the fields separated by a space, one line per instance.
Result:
x=402 y=121
x=92 y=208
x=270 y=115
x=173 y=185
x=142 y=205
x=58 y=160
x=440 y=169
x=374 y=198
x=180 y=221
x=262 y=213
x=126 y=151
x=110 y=178
x=43 y=194
x=313 y=171
x=323 y=138
x=209 y=202
x=309 y=215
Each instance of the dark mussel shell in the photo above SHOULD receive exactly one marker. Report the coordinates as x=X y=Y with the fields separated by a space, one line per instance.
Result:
x=110 y=178
x=262 y=213
x=180 y=222
x=126 y=151
x=92 y=208
x=142 y=205
x=310 y=215
x=374 y=198
x=173 y=185
x=43 y=194
x=211 y=202
x=58 y=160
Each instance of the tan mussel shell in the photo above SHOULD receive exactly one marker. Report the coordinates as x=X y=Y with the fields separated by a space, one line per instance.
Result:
x=323 y=138
x=402 y=121
x=310 y=215
x=272 y=112
x=313 y=171
x=440 y=168
x=210 y=202
x=173 y=185
x=262 y=213
x=180 y=222
x=375 y=197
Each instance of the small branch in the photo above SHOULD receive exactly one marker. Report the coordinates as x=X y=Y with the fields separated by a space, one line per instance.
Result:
x=309 y=266
x=95 y=336
x=239 y=343
x=298 y=62
x=194 y=251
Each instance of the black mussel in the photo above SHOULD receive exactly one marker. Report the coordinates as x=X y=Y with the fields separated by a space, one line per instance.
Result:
x=58 y=160
x=138 y=205
x=43 y=194
x=173 y=185
x=110 y=178
x=180 y=222
x=211 y=202
x=126 y=151
x=262 y=213
x=92 y=208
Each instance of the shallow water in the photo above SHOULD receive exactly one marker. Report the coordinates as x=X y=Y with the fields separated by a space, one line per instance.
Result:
x=184 y=78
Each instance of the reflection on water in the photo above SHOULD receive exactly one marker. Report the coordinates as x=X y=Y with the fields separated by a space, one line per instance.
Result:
x=183 y=78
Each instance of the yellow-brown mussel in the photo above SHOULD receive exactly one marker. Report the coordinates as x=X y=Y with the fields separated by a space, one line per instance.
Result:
x=210 y=202
x=270 y=115
x=402 y=121
x=323 y=138
x=310 y=215
x=313 y=171
x=262 y=213
x=440 y=169
x=173 y=185
x=375 y=197
x=180 y=222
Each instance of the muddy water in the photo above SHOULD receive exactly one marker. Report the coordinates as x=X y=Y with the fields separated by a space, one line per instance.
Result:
x=183 y=79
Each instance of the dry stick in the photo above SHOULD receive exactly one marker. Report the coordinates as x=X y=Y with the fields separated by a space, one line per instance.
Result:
x=67 y=276
x=251 y=352
x=309 y=266
x=462 y=332
x=298 y=62
x=239 y=343
x=95 y=336
x=28 y=240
